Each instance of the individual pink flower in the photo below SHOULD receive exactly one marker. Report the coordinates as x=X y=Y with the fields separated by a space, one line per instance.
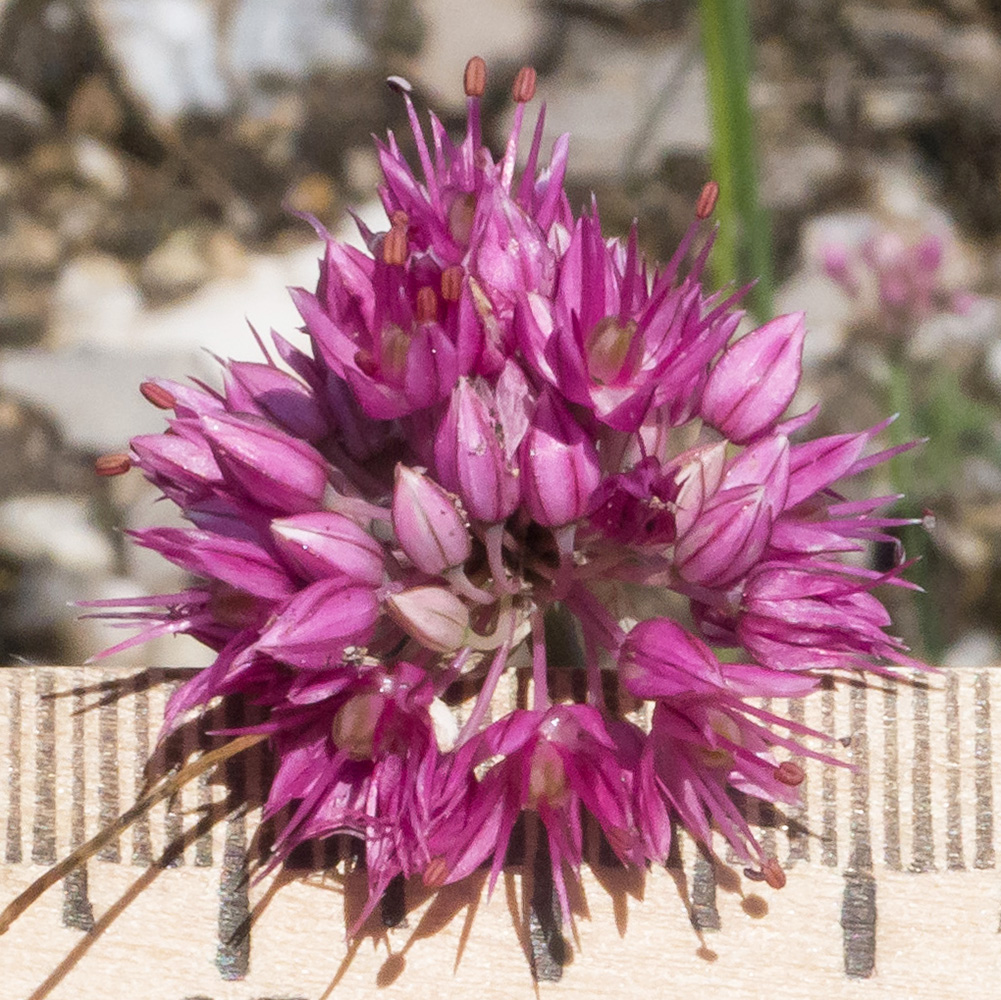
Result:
x=551 y=762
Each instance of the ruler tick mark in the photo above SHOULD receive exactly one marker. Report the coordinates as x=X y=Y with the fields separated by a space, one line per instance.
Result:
x=13 y=849
x=923 y=859
x=954 y=815
x=43 y=835
x=984 y=856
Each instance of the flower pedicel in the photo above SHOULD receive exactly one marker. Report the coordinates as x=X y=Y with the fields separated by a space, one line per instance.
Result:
x=515 y=443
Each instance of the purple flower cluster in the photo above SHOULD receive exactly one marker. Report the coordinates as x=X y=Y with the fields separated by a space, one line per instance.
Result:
x=515 y=445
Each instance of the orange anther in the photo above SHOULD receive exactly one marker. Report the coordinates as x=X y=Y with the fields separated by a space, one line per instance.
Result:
x=707 y=200
x=451 y=283
x=523 y=89
x=157 y=395
x=113 y=465
x=474 y=81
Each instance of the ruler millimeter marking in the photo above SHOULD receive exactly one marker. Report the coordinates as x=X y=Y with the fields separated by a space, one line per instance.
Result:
x=890 y=864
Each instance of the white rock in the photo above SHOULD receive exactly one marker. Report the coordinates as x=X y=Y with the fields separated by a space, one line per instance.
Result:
x=993 y=366
x=95 y=303
x=167 y=53
x=23 y=117
x=289 y=39
x=106 y=343
x=978 y=325
x=976 y=649
x=216 y=317
x=792 y=175
x=46 y=526
x=849 y=229
x=177 y=56
x=98 y=165
x=92 y=392
x=177 y=266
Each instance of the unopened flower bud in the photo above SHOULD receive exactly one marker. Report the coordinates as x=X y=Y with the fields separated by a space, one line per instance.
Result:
x=698 y=476
x=755 y=379
x=434 y=616
x=324 y=544
x=559 y=465
x=278 y=470
x=276 y=394
x=427 y=523
x=314 y=628
x=471 y=458
x=659 y=659
x=726 y=539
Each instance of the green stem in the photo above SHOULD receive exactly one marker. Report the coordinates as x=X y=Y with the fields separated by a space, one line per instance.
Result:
x=743 y=245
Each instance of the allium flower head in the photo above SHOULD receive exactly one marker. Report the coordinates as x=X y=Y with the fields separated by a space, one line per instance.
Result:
x=512 y=435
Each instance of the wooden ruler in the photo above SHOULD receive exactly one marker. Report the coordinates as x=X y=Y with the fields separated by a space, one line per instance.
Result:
x=893 y=888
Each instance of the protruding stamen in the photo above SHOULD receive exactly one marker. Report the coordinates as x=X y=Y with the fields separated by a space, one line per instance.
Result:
x=774 y=875
x=113 y=465
x=427 y=305
x=436 y=873
x=157 y=395
x=394 y=247
x=789 y=773
x=474 y=81
x=707 y=200
x=523 y=89
x=399 y=219
x=451 y=283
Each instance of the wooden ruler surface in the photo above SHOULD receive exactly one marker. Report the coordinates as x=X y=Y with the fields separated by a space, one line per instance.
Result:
x=893 y=888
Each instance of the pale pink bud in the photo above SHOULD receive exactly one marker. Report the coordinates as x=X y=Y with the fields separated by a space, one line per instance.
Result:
x=434 y=616
x=559 y=465
x=755 y=379
x=727 y=537
x=428 y=525
x=700 y=472
x=470 y=456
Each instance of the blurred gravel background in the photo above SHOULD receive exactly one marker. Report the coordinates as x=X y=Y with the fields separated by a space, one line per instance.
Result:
x=150 y=149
